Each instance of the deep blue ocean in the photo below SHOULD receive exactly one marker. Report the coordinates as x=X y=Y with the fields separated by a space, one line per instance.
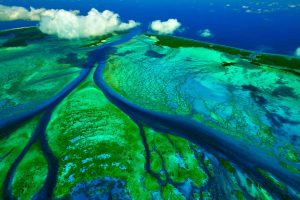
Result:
x=267 y=25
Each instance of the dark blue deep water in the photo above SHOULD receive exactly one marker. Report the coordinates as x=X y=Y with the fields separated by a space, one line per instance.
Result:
x=267 y=25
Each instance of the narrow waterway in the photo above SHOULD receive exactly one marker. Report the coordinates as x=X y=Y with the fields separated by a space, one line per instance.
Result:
x=214 y=142
x=248 y=158
x=39 y=136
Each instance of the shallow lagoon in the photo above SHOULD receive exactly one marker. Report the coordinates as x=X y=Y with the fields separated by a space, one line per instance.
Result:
x=141 y=116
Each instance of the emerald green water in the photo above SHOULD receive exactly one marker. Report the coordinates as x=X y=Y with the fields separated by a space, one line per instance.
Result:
x=255 y=103
x=102 y=151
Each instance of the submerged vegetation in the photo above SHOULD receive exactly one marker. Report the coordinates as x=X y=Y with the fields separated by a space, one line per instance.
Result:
x=123 y=125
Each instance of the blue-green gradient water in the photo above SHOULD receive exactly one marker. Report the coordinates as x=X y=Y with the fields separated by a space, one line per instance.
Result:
x=268 y=25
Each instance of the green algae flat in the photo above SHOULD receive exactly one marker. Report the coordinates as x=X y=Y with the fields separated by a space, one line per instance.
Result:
x=100 y=149
x=90 y=121
x=30 y=174
x=12 y=146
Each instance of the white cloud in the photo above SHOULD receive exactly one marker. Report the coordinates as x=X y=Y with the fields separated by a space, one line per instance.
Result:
x=69 y=24
x=10 y=13
x=166 y=27
x=206 y=33
x=297 y=52
x=66 y=24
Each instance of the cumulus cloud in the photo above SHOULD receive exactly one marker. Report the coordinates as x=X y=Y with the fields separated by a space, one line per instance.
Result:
x=297 y=52
x=11 y=13
x=66 y=24
x=206 y=33
x=69 y=24
x=165 y=27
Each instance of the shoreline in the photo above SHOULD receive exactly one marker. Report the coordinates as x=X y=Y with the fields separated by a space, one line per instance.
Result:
x=163 y=40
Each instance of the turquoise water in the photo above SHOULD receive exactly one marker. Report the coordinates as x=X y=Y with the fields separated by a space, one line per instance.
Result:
x=94 y=106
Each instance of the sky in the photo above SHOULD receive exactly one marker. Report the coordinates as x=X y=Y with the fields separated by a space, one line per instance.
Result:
x=265 y=25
